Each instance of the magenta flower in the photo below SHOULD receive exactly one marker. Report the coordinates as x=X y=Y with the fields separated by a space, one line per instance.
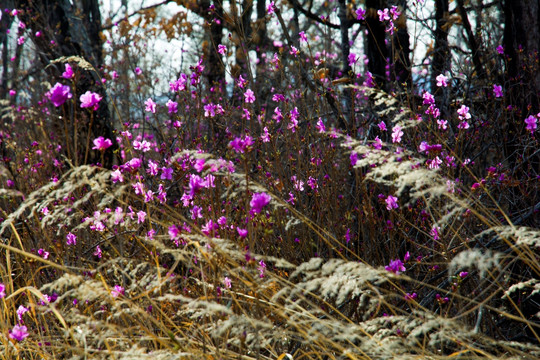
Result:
x=18 y=333
x=71 y=239
x=227 y=282
x=302 y=36
x=391 y=202
x=242 y=232
x=497 y=90
x=20 y=312
x=258 y=201
x=500 y=50
x=58 y=94
x=150 y=105
x=101 y=143
x=382 y=126
x=360 y=14
x=464 y=113
x=138 y=70
x=98 y=252
x=396 y=134
x=222 y=49
x=396 y=266
x=249 y=96
x=2 y=290
x=68 y=74
x=531 y=123
x=442 y=80
x=117 y=291
x=172 y=106
x=90 y=100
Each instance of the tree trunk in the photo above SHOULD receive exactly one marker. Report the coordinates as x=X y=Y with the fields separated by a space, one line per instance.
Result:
x=377 y=51
x=74 y=31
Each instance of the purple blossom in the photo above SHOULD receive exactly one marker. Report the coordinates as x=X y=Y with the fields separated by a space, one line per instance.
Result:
x=249 y=96
x=117 y=291
x=2 y=290
x=18 y=333
x=497 y=90
x=90 y=100
x=58 y=94
x=442 y=80
x=396 y=266
x=71 y=239
x=531 y=123
x=396 y=134
x=258 y=201
x=360 y=14
x=391 y=202
x=172 y=106
x=222 y=49
x=150 y=105
x=68 y=74
x=101 y=143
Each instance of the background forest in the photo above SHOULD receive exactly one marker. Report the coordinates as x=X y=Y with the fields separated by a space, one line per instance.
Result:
x=286 y=179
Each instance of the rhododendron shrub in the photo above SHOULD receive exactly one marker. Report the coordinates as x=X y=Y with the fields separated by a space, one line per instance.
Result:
x=304 y=203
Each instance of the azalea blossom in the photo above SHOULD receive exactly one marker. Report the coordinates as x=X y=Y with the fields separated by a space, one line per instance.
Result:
x=497 y=90
x=222 y=49
x=396 y=134
x=391 y=202
x=396 y=266
x=258 y=201
x=249 y=96
x=117 y=291
x=68 y=74
x=150 y=105
x=19 y=333
x=90 y=100
x=531 y=123
x=442 y=80
x=101 y=143
x=58 y=94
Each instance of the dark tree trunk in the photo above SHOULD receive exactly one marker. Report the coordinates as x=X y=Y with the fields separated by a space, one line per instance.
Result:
x=522 y=45
x=377 y=51
x=441 y=56
x=74 y=30
x=401 y=51
x=214 y=70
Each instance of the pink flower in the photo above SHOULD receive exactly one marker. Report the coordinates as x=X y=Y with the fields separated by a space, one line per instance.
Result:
x=58 y=94
x=222 y=49
x=428 y=98
x=138 y=70
x=12 y=92
x=464 y=113
x=166 y=173
x=258 y=201
x=116 y=176
x=44 y=254
x=101 y=143
x=227 y=282
x=383 y=15
x=90 y=100
x=396 y=266
x=2 y=290
x=396 y=134
x=98 y=252
x=271 y=8
x=531 y=123
x=71 y=239
x=442 y=80
x=497 y=90
x=141 y=216
x=249 y=96
x=360 y=14
x=242 y=232
x=302 y=36
x=117 y=291
x=500 y=50
x=18 y=333
x=382 y=126
x=20 y=312
x=150 y=105
x=68 y=74
x=391 y=202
